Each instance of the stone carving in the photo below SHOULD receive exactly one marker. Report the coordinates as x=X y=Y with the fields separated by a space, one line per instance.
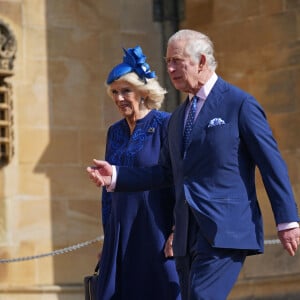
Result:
x=8 y=47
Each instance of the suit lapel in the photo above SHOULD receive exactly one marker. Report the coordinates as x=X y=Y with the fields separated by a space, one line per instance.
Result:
x=208 y=112
x=177 y=124
x=209 y=109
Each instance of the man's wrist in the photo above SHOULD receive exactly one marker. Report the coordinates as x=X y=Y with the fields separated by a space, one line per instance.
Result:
x=285 y=226
x=112 y=186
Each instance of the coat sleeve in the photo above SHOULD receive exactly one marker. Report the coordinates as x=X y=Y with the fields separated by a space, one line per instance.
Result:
x=257 y=135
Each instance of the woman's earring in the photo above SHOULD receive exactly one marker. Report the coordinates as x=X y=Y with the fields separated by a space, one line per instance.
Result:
x=142 y=101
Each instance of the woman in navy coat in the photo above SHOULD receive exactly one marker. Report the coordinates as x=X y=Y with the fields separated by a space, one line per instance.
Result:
x=136 y=224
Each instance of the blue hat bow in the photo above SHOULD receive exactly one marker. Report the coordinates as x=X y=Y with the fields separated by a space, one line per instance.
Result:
x=133 y=61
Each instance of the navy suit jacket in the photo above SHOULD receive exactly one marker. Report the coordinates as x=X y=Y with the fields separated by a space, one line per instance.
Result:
x=216 y=178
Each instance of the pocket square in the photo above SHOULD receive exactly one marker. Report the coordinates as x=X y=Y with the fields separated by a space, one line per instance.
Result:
x=215 y=122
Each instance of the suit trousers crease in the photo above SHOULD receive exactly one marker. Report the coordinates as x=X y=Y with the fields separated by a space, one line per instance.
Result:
x=206 y=272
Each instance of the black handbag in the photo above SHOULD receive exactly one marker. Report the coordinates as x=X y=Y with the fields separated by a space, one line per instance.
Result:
x=90 y=284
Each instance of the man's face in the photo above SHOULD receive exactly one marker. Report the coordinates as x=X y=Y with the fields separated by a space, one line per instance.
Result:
x=183 y=71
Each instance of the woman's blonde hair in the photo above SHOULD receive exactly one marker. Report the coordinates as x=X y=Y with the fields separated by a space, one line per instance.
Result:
x=153 y=92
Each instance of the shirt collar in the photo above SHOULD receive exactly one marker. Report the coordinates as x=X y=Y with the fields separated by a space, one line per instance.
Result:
x=206 y=88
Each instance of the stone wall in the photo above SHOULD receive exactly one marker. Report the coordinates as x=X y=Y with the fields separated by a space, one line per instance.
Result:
x=65 y=48
x=61 y=113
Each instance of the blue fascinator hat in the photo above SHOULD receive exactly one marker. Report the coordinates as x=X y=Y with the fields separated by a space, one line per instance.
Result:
x=134 y=60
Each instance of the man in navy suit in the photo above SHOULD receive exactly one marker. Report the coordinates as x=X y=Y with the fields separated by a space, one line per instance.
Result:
x=217 y=216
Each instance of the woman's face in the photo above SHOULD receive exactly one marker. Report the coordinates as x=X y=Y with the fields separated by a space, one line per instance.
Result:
x=126 y=98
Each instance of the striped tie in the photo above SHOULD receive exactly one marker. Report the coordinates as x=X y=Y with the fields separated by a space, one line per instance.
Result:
x=189 y=122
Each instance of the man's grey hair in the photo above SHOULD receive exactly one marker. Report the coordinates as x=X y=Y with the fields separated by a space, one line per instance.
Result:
x=196 y=44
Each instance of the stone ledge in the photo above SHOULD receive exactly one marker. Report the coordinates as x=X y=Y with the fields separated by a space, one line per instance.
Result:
x=50 y=289
x=49 y=292
x=271 y=288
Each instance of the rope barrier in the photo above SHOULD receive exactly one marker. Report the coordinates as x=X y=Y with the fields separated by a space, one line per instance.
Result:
x=55 y=252
x=81 y=245
x=272 y=242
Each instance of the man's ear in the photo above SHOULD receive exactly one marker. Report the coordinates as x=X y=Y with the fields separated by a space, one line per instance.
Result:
x=202 y=62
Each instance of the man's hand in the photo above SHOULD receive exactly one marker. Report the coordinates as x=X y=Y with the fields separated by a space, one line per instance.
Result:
x=100 y=173
x=168 y=250
x=290 y=239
